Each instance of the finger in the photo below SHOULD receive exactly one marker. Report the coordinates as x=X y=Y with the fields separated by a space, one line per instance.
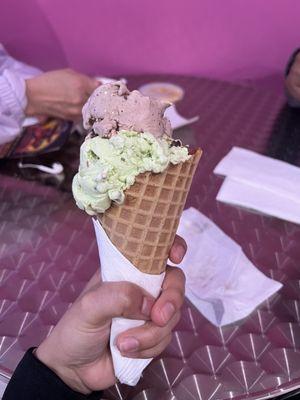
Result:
x=145 y=337
x=74 y=112
x=60 y=112
x=154 y=351
x=178 y=250
x=171 y=297
x=92 y=84
x=115 y=299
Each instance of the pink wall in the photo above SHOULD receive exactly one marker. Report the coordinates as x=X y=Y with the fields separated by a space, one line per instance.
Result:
x=232 y=39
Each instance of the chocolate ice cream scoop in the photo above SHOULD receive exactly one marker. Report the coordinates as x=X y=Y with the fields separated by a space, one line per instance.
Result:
x=112 y=108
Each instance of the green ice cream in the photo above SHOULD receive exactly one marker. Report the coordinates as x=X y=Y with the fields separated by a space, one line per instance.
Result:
x=109 y=166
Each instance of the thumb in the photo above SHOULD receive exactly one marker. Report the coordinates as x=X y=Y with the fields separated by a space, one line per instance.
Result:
x=115 y=299
x=42 y=118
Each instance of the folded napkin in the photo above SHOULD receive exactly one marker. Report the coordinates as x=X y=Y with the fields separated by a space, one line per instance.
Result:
x=115 y=267
x=260 y=183
x=220 y=280
x=265 y=201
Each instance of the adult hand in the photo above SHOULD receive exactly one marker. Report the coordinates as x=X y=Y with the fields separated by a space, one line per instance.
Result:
x=60 y=94
x=292 y=82
x=77 y=349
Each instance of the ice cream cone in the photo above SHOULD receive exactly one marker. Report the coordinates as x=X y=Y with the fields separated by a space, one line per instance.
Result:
x=144 y=226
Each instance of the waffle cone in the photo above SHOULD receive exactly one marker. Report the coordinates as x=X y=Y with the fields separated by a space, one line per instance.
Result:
x=143 y=228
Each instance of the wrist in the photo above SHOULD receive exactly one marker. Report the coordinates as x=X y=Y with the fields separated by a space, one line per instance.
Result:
x=67 y=374
x=32 y=96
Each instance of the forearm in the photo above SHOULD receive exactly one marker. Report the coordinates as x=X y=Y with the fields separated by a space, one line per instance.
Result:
x=35 y=381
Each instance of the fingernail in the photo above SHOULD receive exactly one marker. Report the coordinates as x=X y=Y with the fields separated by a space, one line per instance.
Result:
x=168 y=311
x=180 y=252
x=128 y=345
x=147 y=306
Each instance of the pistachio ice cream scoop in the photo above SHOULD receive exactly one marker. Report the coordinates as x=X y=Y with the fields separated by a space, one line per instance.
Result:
x=109 y=166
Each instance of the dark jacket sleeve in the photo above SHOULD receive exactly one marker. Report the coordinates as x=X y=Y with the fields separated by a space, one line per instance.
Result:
x=292 y=102
x=32 y=380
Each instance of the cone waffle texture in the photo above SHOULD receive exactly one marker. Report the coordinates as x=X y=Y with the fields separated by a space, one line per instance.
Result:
x=144 y=226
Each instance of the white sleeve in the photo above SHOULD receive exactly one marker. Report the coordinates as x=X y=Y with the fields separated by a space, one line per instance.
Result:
x=8 y=62
x=13 y=99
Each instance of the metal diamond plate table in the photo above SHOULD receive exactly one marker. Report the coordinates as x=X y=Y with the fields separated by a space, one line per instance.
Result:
x=48 y=253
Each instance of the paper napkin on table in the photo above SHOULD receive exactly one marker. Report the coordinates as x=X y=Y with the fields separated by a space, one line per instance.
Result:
x=242 y=194
x=116 y=267
x=177 y=121
x=260 y=183
x=220 y=280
